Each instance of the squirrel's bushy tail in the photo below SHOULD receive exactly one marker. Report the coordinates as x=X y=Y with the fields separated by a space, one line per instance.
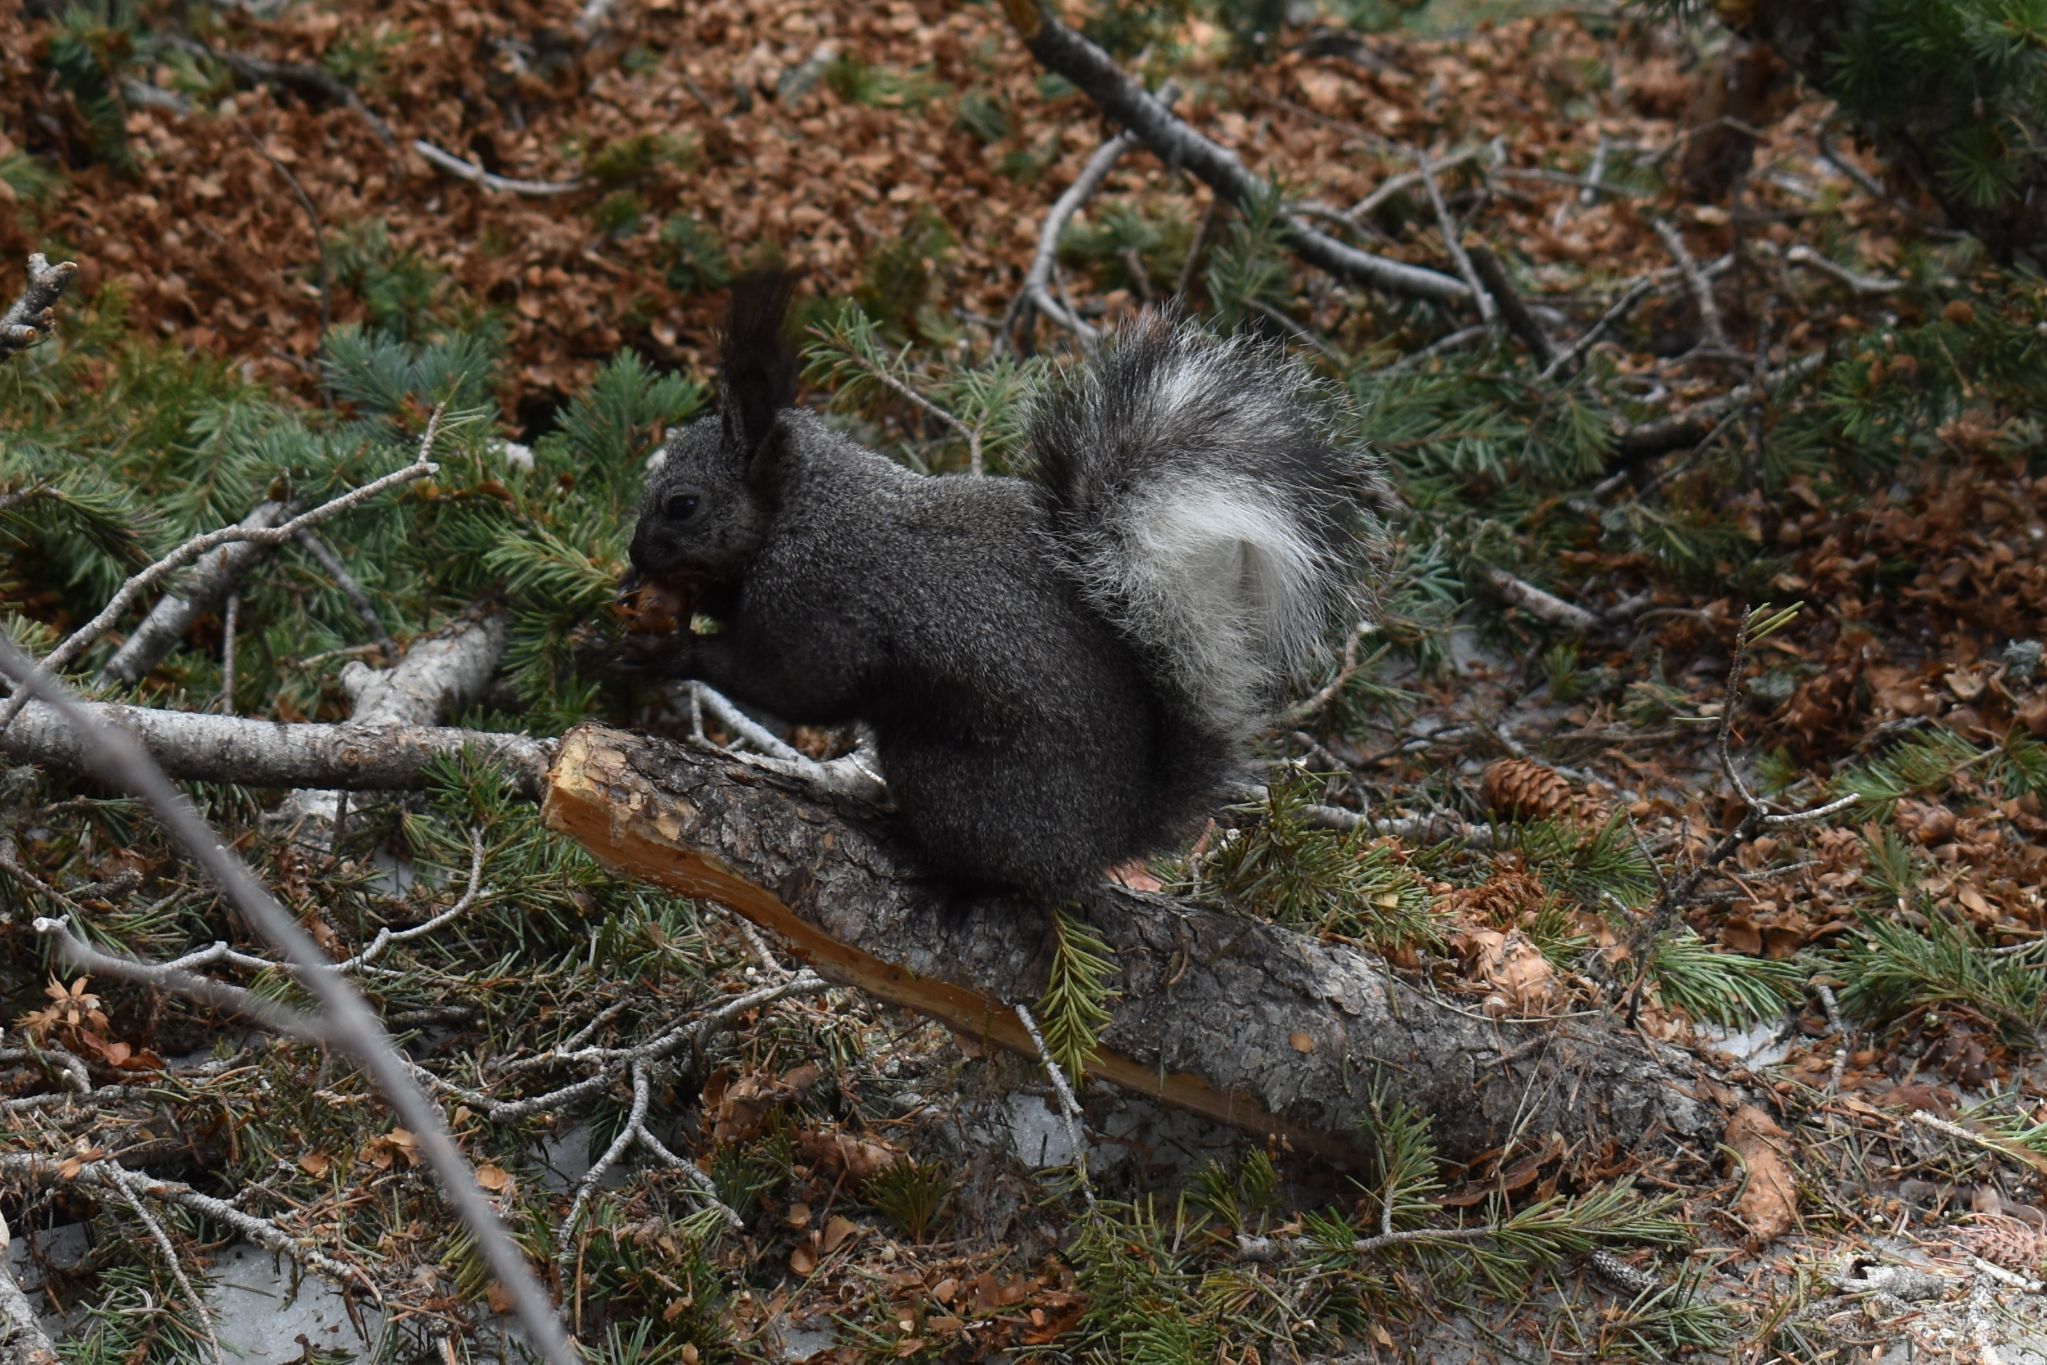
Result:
x=1209 y=510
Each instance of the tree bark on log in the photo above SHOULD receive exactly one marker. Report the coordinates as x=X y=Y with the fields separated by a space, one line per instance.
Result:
x=1225 y=1016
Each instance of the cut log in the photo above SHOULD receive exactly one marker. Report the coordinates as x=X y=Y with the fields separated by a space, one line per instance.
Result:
x=1226 y=1016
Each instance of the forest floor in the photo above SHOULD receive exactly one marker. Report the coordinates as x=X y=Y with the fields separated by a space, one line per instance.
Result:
x=238 y=187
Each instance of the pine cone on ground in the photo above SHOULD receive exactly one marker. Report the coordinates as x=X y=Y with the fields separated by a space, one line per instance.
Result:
x=1521 y=789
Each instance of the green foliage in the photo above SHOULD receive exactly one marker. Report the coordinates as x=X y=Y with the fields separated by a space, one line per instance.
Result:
x=696 y=255
x=89 y=51
x=1921 y=763
x=859 y=81
x=629 y=160
x=915 y=1195
x=1078 y=991
x=1342 y=884
x=1897 y=967
x=1601 y=868
x=895 y=285
x=403 y=295
x=1731 y=990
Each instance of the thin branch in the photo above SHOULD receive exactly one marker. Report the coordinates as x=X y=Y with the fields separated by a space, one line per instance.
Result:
x=1542 y=605
x=197 y=592
x=353 y=1027
x=1069 y=1108
x=463 y=169
x=1695 y=423
x=109 y=1174
x=64 y=654
x=1620 y=308
x=387 y=936
x=1038 y=279
x=228 y=627
x=1513 y=310
x=1453 y=241
x=746 y=727
x=365 y=609
x=1700 y=287
x=33 y=316
x=1404 y=181
x=171 y=1258
x=881 y=375
x=1866 y=285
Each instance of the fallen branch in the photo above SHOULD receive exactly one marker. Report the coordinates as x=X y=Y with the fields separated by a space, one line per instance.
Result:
x=1537 y=603
x=81 y=639
x=198 y=592
x=33 y=316
x=264 y=753
x=1696 y=283
x=1066 y=53
x=22 y=1339
x=111 y=1175
x=1239 y=1021
x=115 y=757
x=1513 y=309
x=463 y=169
x=1038 y=279
x=1692 y=425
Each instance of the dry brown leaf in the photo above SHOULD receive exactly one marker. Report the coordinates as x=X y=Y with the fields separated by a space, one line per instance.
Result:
x=1768 y=1203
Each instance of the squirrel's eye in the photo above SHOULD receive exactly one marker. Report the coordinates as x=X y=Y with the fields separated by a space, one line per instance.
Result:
x=681 y=505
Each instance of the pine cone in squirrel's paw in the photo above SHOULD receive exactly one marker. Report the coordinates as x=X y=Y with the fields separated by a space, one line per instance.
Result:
x=649 y=608
x=1521 y=789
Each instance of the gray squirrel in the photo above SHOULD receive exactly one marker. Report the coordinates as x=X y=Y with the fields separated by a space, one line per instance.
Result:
x=1060 y=670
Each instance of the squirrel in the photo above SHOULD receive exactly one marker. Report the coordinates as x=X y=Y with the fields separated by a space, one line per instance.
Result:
x=1060 y=670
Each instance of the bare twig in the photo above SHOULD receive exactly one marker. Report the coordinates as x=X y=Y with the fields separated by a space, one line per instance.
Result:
x=109 y=1174
x=1542 y=605
x=1038 y=279
x=228 y=627
x=197 y=591
x=197 y=1305
x=350 y=1024
x=1069 y=1108
x=463 y=169
x=1700 y=287
x=1404 y=181
x=1513 y=310
x=33 y=316
x=1857 y=283
x=387 y=936
x=634 y=1131
x=1619 y=309
x=1453 y=241
x=746 y=727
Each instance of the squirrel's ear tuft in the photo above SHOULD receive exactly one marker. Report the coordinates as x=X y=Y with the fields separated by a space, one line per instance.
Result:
x=758 y=364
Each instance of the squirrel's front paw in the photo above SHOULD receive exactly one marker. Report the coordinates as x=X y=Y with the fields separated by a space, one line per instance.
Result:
x=645 y=654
